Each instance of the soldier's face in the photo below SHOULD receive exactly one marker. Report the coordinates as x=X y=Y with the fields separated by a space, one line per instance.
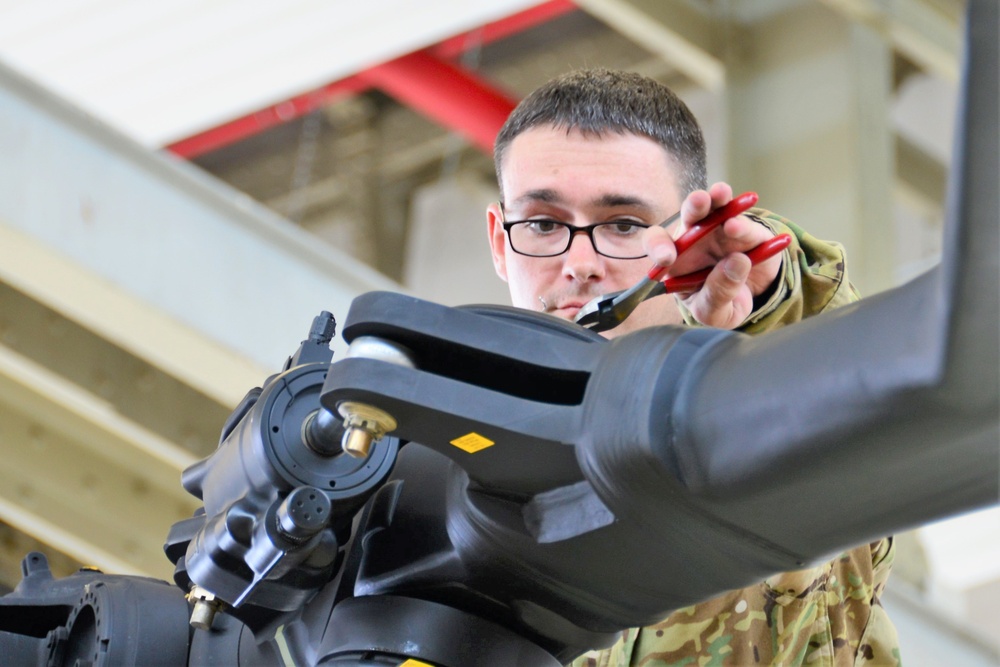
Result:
x=579 y=179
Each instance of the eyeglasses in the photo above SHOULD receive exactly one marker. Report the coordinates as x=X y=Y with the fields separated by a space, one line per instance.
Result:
x=618 y=239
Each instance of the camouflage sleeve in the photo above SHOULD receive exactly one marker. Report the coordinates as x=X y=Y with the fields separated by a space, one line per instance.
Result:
x=829 y=614
x=618 y=655
x=812 y=279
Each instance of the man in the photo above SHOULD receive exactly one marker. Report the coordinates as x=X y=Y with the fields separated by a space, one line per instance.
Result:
x=598 y=147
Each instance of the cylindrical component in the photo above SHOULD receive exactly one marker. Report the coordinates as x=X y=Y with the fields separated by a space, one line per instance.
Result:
x=365 y=424
x=206 y=606
x=303 y=513
x=322 y=432
x=357 y=442
x=373 y=347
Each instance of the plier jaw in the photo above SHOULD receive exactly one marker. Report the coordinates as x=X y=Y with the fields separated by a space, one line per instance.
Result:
x=608 y=311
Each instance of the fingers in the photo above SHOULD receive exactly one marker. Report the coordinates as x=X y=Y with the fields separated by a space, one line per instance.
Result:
x=725 y=300
x=738 y=234
x=659 y=246
x=721 y=194
x=695 y=207
x=700 y=203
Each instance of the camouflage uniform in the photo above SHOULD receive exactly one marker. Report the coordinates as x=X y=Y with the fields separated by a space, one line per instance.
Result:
x=826 y=615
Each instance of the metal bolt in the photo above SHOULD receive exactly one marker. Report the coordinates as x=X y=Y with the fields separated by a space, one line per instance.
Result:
x=364 y=424
x=205 y=608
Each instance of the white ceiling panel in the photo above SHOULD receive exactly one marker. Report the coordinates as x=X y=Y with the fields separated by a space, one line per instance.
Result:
x=162 y=71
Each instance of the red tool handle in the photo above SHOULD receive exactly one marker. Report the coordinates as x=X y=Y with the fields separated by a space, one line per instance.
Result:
x=692 y=281
x=737 y=205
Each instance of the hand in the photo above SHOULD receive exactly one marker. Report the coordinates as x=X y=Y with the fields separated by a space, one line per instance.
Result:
x=726 y=299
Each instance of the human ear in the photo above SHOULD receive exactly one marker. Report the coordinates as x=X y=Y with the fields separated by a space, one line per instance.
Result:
x=498 y=239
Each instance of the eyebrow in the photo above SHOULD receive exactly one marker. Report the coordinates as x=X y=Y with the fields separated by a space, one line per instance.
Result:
x=545 y=195
x=608 y=200
x=616 y=200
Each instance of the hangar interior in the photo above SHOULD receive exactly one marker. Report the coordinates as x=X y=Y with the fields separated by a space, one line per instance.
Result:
x=182 y=189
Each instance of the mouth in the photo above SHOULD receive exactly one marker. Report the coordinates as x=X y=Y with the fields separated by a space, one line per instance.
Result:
x=567 y=310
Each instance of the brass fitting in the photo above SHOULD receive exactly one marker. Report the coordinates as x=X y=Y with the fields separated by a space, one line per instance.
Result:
x=206 y=606
x=363 y=424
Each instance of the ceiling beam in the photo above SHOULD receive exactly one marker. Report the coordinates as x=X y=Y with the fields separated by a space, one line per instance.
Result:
x=454 y=97
x=672 y=29
x=128 y=322
x=921 y=178
x=920 y=30
x=94 y=423
x=80 y=477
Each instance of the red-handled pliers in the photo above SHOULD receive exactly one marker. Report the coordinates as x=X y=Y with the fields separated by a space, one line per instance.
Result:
x=608 y=311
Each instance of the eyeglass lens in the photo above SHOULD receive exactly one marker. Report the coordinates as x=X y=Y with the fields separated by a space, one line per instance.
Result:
x=620 y=240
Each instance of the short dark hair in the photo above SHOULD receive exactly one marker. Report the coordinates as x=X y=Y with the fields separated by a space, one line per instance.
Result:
x=599 y=101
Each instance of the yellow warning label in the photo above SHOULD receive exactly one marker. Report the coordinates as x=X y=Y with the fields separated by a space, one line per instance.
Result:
x=415 y=663
x=472 y=442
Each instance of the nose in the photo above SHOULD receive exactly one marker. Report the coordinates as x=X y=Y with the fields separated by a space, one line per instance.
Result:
x=581 y=262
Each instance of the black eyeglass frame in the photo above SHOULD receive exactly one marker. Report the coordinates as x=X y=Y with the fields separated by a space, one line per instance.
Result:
x=573 y=229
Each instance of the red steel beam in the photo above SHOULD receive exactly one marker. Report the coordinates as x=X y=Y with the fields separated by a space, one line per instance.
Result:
x=258 y=121
x=450 y=95
x=442 y=77
x=505 y=27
